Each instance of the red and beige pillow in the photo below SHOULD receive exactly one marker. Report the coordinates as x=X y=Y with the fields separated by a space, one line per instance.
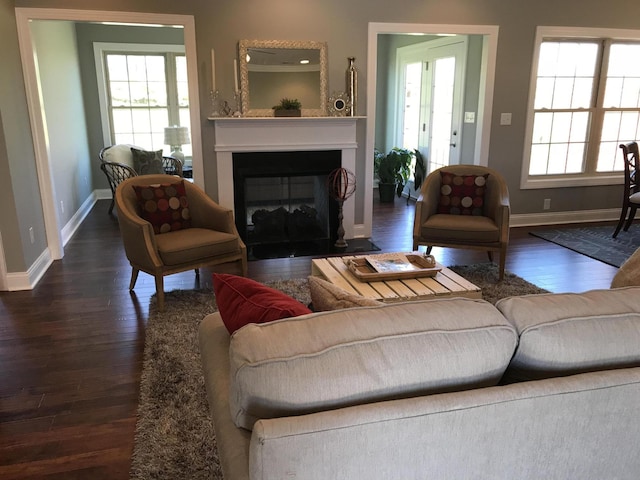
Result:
x=164 y=205
x=462 y=194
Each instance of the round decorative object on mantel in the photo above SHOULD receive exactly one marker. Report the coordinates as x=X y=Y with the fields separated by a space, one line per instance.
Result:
x=338 y=104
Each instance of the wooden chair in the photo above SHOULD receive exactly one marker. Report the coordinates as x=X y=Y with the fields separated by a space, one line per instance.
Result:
x=212 y=238
x=488 y=231
x=631 y=194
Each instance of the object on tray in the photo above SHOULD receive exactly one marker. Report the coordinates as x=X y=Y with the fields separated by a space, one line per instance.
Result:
x=392 y=266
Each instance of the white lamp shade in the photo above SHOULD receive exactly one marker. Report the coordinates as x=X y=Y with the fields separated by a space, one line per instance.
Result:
x=176 y=135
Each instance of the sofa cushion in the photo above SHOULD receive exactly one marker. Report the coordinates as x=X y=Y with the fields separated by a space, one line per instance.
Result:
x=327 y=296
x=461 y=194
x=329 y=360
x=242 y=301
x=563 y=334
x=165 y=206
x=629 y=272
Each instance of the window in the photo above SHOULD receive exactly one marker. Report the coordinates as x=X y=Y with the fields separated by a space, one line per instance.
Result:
x=144 y=89
x=585 y=101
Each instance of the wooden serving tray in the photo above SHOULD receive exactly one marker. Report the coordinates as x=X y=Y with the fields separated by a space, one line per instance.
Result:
x=363 y=271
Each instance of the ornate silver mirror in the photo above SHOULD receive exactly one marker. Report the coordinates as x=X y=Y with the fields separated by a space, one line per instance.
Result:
x=271 y=70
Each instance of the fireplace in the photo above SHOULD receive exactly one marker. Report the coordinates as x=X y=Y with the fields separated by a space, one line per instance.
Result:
x=281 y=201
x=235 y=137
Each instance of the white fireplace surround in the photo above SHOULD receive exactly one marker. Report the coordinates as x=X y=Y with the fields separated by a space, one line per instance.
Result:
x=269 y=134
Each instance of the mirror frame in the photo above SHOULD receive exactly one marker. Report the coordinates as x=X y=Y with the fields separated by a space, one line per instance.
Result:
x=243 y=47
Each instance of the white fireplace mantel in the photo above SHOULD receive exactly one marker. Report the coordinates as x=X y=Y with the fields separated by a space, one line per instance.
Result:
x=270 y=134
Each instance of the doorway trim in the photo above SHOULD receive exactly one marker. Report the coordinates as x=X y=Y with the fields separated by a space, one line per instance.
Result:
x=36 y=108
x=485 y=102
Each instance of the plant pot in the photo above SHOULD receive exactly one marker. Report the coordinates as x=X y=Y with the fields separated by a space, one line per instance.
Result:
x=387 y=192
x=287 y=113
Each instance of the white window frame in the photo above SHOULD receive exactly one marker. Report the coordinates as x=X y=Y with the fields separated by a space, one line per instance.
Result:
x=565 y=180
x=99 y=49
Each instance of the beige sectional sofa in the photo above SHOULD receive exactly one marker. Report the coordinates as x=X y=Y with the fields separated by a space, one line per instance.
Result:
x=536 y=387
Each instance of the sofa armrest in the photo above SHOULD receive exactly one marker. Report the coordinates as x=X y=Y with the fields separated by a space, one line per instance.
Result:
x=232 y=442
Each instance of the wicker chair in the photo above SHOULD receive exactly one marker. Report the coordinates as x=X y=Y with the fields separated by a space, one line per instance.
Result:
x=117 y=171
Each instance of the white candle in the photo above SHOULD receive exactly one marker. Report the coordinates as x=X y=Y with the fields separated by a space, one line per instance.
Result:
x=213 y=71
x=235 y=74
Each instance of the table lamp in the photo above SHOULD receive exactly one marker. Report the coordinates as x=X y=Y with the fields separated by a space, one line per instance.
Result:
x=175 y=137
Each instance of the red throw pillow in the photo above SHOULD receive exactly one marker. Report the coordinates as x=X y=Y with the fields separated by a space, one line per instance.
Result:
x=164 y=206
x=462 y=194
x=242 y=301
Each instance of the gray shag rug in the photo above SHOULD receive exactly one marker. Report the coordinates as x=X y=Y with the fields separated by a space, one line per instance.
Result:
x=174 y=433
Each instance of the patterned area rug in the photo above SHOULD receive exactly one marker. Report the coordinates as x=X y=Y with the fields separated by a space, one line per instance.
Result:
x=175 y=438
x=596 y=242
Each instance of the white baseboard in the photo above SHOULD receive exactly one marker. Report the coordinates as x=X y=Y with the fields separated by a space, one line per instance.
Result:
x=74 y=223
x=554 y=218
x=103 y=194
x=29 y=279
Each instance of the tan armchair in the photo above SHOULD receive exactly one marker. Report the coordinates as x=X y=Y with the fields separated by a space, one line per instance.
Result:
x=212 y=238
x=489 y=231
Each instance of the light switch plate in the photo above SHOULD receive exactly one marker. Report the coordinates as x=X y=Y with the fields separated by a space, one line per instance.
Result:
x=505 y=119
x=469 y=117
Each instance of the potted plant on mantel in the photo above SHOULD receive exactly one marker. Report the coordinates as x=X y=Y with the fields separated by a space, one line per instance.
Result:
x=288 y=107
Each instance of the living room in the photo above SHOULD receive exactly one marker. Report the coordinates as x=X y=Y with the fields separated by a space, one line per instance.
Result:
x=53 y=422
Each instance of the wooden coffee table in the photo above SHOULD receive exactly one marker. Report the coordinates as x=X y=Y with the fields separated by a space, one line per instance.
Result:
x=445 y=283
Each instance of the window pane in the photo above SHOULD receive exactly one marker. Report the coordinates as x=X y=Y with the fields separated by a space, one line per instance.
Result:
x=610 y=126
x=181 y=68
x=579 y=127
x=120 y=96
x=557 y=158
x=582 y=93
x=539 y=159
x=575 y=158
x=607 y=157
x=122 y=120
x=561 y=127
x=542 y=127
x=137 y=68
x=628 y=126
x=157 y=94
x=117 y=67
x=141 y=120
x=562 y=93
x=159 y=118
x=139 y=94
x=544 y=93
x=155 y=67
x=623 y=76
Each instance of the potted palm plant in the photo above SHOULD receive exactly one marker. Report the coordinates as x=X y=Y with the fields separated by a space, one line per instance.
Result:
x=392 y=170
x=288 y=107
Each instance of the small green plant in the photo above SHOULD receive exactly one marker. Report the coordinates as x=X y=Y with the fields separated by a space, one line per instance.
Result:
x=288 y=104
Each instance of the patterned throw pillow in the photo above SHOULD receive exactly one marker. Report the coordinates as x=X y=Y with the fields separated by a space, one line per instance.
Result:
x=165 y=206
x=462 y=194
x=147 y=162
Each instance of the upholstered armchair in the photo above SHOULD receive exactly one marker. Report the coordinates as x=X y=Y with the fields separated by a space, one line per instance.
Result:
x=118 y=163
x=197 y=233
x=479 y=220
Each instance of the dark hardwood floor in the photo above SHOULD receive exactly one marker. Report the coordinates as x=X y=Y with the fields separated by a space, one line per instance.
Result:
x=71 y=349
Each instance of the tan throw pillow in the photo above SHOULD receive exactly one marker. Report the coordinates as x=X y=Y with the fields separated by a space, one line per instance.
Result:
x=629 y=273
x=326 y=296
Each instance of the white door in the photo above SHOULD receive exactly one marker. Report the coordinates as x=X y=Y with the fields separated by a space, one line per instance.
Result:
x=431 y=77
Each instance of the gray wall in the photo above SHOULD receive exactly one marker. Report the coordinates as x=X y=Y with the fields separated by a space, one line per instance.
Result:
x=61 y=92
x=344 y=26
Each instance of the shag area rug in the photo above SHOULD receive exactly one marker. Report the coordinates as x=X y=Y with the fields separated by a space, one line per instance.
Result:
x=174 y=433
x=596 y=242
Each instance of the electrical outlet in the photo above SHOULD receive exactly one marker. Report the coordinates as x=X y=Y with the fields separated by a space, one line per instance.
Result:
x=32 y=236
x=62 y=206
x=546 y=204
x=505 y=119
